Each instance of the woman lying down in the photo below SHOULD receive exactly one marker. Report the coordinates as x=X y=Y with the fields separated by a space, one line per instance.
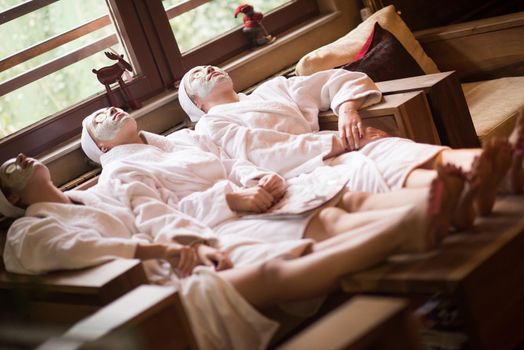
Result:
x=68 y=230
x=142 y=219
x=192 y=175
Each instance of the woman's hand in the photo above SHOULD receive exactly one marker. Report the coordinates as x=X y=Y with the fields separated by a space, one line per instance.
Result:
x=251 y=200
x=210 y=256
x=275 y=185
x=350 y=126
x=182 y=258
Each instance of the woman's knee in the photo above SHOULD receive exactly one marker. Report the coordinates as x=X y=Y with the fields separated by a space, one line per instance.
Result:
x=353 y=201
x=272 y=271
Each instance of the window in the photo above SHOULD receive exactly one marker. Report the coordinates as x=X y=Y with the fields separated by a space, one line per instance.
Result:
x=48 y=60
x=46 y=83
x=212 y=18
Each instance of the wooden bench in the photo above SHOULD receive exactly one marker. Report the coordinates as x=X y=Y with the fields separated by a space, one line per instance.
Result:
x=481 y=269
x=67 y=296
x=361 y=323
x=149 y=317
x=488 y=54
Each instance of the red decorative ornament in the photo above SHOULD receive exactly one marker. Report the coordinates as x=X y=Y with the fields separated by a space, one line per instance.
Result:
x=253 y=26
x=112 y=74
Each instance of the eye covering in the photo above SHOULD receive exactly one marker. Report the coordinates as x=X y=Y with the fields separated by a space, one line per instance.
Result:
x=186 y=103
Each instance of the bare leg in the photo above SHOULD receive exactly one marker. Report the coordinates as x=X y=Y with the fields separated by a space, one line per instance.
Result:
x=279 y=281
x=462 y=213
x=423 y=228
x=420 y=178
x=487 y=167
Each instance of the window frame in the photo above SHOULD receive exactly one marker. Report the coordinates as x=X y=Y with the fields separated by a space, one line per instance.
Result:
x=144 y=29
x=228 y=45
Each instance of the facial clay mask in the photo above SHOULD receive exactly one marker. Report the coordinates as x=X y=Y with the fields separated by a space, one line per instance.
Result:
x=201 y=83
x=107 y=124
x=14 y=176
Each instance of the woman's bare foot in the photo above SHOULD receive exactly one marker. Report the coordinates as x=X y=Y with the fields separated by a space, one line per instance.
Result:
x=465 y=214
x=491 y=168
x=445 y=194
x=516 y=171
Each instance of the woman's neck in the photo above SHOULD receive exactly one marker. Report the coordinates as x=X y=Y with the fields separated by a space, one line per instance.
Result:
x=50 y=193
x=227 y=97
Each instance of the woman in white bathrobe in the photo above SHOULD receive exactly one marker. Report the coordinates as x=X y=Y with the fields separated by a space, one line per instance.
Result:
x=190 y=173
x=69 y=231
x=279 y=120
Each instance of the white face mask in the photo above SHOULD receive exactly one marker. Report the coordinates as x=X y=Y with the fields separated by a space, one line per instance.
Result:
x=107 y=123
x=201 y=83
x=14 y=176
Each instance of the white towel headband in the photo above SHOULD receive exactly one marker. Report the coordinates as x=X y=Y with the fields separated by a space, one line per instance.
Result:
x=9 y=210
x=186 y=103
x=88 y=144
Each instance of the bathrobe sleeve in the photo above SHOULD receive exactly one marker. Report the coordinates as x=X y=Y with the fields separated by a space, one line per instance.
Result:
x=244 y=173
x=38 y=245
x=210 y=206
x=167 y=224
x=161 y=220
x=329 y=89
x=287 y=154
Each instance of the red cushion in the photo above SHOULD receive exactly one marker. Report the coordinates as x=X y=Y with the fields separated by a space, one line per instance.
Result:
x=384 y=58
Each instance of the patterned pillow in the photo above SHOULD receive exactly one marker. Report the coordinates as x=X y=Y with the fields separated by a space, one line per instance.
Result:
x=384 y=58
x=345 y=49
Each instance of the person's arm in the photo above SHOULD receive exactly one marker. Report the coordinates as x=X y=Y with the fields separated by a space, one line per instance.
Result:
x=39 y=245
x=250 y=200
x=344 y=92
x=330 y=89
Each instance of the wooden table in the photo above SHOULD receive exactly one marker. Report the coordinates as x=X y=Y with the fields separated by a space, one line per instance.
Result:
x=447 y=103
x=482 y=269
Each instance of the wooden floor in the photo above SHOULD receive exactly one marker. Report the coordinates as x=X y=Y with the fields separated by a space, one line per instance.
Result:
x=482 y=269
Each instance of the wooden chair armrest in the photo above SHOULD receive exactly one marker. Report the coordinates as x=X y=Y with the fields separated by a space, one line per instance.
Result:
x=361 y=323
x=447 y=103
x=149 y=317
x=77 y=292
x=403 y=114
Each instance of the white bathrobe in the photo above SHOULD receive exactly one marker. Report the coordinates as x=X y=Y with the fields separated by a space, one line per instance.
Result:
x=276 y=127
x=191 y=174
x=54 y=236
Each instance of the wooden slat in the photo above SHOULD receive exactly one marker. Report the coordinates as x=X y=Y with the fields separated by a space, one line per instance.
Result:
x=23 y=9
x=54 y=42
x=57 y=64
x=184 y=7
